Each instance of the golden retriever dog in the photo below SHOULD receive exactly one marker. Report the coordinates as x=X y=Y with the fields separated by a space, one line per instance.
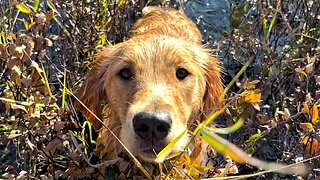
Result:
x=152 y=87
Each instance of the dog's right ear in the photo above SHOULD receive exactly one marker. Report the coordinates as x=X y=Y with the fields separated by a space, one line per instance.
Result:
x=92 y=92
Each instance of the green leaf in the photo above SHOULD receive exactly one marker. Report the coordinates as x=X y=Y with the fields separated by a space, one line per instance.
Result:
x=228 y=130
x=5 y=128
x=23 y=8
x=264 y=27
x=273 y=22
x=253 y=138
x=36 y=5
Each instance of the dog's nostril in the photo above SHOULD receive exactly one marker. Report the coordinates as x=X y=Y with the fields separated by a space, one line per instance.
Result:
x=142 y=128
x=152 y=125
x=163 y=128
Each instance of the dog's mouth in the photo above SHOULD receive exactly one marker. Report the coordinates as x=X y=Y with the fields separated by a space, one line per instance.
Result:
x=150 y=151
x=152 y=148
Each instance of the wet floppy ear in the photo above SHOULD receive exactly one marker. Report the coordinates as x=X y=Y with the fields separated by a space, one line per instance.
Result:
x=92 y=92
x=214 y=86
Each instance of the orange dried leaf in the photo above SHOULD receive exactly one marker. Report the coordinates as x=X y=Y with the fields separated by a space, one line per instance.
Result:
x=311 y=59
x=306 y=140
x=315 y=147
x=49 y=16
x=314 y=114
x=300 y=70
x=311 y=147
x=305 y=108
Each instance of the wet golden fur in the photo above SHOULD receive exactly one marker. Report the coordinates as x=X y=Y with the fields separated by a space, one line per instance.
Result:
x=162 y=41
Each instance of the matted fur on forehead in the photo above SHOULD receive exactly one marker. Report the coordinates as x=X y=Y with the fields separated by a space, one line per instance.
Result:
x=152 y=48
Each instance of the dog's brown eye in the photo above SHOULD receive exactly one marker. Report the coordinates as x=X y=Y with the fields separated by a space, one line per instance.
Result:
x=182 y=73
x=125 y=73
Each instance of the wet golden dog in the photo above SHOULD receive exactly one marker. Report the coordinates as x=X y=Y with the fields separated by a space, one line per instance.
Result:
x=152 y=87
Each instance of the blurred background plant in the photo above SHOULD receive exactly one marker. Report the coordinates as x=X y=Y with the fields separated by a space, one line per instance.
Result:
x=46 y=46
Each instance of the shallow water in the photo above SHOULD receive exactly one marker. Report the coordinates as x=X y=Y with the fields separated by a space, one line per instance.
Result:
x=211 y=16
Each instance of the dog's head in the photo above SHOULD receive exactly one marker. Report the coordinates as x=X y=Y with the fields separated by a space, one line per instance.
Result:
x=155 y=87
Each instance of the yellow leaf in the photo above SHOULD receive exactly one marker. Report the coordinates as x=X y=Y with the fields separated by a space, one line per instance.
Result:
x=251 y=97
x=23 y=8
x=121 y=3
x=36 y=5
x=315 y=114
x=306 y=140
x=306 y=127
x=26 y=24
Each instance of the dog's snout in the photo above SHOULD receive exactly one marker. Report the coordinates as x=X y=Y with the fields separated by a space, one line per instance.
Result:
x=152 y=125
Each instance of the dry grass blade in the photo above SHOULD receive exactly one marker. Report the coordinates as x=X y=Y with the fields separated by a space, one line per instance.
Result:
x=64 y=88
x=274 y=18
x=244 y=67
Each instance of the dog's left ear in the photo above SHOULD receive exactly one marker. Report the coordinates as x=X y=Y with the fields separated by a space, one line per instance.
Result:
x=214 y=85
x=92 y=92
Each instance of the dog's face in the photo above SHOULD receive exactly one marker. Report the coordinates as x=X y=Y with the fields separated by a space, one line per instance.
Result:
x=156 y=87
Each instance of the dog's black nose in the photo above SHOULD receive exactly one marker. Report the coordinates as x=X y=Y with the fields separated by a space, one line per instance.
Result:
x=152 y=125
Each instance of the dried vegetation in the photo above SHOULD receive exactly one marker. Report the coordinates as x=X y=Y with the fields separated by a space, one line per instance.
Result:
x=272 y=107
